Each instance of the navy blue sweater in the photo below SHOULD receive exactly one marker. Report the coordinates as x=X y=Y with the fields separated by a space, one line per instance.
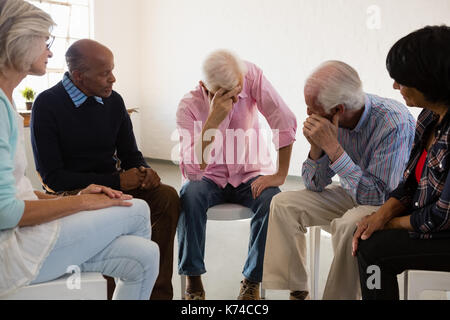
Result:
x=76 y=147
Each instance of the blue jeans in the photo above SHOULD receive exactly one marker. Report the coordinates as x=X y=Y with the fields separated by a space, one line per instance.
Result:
x=196 y=198
x=113 y=241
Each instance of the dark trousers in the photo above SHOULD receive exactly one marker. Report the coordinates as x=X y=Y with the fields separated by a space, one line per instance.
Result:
x=164 y=204
x=393 y=252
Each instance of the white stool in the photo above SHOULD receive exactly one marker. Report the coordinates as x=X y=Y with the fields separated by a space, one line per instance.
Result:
x=417 y=281
x=92 y=287
x=225 y=212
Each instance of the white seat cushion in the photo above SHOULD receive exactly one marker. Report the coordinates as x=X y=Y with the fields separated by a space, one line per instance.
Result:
x=228 y=212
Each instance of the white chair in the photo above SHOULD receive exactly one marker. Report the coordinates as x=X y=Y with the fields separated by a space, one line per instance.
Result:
x=225 y=212
x=417 y=281
x=314 y=257
x=91 y=287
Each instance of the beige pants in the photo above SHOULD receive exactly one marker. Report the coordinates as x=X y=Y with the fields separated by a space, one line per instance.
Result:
x=285 y=256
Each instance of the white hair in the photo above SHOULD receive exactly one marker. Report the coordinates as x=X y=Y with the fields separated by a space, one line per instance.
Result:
x=223 y=69
x=335 y=83
x=22 y=25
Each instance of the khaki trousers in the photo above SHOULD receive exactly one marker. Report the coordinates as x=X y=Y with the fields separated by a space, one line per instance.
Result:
x=286 y=257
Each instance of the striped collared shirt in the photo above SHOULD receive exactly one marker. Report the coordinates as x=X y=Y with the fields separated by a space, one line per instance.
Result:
x=428 y=201
x=375 y=157
x=77 y=96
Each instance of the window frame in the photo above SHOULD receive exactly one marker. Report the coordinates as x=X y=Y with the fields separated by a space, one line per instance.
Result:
x=67 y=38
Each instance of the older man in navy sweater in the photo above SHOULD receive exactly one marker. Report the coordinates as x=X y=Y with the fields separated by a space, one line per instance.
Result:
x=82 y=135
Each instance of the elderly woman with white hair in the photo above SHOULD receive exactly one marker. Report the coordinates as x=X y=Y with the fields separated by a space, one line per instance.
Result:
x=225 y=108
x=363 y=139
x=41 y=236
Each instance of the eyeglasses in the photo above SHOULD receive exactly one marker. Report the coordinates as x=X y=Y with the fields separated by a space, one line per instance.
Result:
x=50 y=41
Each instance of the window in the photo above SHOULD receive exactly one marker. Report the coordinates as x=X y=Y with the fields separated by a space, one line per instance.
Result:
x=73 y=22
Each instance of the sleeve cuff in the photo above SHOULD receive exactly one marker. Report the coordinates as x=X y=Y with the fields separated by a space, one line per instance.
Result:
x=401 y=195
x=421 y=223
x=316 y=164
x=343 y=166
x=418 y=225
x=14 y=215
x=284 y=138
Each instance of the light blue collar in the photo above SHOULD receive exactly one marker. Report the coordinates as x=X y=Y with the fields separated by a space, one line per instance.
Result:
x=77 y=96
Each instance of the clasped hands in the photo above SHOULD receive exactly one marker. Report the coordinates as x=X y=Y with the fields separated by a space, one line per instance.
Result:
x=322 y=134
x=143 y=178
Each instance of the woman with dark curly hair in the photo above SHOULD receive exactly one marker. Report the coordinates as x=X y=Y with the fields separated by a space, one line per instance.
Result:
x=412 y=229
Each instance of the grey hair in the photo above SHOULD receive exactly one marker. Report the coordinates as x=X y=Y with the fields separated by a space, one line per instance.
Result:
x=22 y=25
x=223 y=69
x=335 y=83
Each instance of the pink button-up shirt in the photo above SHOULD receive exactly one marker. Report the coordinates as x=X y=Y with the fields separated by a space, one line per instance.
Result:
x=239 y=152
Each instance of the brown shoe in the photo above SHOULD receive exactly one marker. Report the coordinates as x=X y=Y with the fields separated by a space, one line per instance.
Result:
x=194 y=295
x=299 y=295
x=249 y=291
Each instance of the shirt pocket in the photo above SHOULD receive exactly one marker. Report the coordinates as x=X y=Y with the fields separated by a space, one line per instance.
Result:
x=437 y=167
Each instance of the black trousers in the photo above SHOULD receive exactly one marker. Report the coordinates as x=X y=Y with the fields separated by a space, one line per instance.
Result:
x=392 y=252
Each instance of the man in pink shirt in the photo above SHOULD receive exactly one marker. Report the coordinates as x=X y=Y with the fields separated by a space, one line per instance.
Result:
x=224 y=160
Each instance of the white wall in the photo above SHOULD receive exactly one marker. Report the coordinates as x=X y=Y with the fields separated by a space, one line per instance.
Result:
x=118 y=27
x=160 y=45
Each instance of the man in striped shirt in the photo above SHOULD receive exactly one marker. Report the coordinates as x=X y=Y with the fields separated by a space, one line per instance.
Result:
x=363 y=139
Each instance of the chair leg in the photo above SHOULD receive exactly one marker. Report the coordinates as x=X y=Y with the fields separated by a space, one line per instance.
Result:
x=183 y=286
x=263 y=293
x=314 y=261
x=405 y=285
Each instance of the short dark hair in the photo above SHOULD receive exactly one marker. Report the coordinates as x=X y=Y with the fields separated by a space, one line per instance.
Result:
x=422 y=60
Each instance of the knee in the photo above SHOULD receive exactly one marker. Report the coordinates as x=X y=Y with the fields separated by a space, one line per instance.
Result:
x=279 y=203
x=171 y=197
x=372 y=250
x=192 y=189
x=141 y=208
x=283 y=206
x=147 y=253
x=165 y=203
x=171 y=194
x=143 y=258
x=343 y=227
x=151 y=257
x=168 y=194
x=194 y=194
x=141 y=212
x=266 y=198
